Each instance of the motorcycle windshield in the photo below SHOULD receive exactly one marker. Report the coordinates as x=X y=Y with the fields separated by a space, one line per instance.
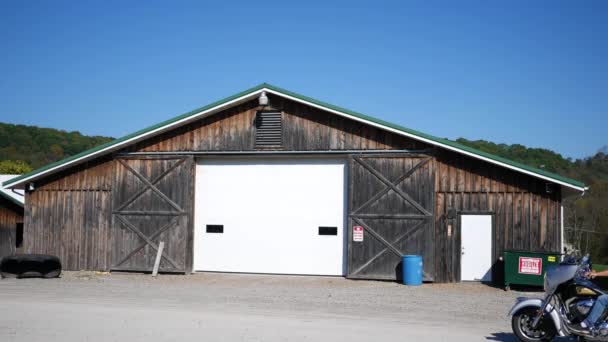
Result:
x=559 y=274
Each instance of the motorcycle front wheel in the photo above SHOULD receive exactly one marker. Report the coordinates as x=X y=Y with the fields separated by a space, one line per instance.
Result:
x=521 y=322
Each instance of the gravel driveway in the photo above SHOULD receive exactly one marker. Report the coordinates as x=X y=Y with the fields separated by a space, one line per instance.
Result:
x=237 y=307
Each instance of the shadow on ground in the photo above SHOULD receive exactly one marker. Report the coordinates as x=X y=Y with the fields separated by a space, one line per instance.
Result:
x=518 y=288
x=501 y=337
x=509 y=337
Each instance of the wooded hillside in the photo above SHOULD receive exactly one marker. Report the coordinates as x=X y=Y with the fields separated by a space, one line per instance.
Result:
x=39 y=146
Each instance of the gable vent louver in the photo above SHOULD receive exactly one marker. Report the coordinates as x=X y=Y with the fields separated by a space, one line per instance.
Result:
x=269 y=129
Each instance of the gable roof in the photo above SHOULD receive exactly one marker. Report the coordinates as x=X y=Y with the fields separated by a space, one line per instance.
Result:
x=253 y=93
x=14 y=197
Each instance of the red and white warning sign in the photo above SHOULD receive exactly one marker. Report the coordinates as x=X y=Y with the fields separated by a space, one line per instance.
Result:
x=530 y=265
x=357 y=233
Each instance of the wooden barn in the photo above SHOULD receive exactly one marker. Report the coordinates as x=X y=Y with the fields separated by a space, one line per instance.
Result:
x=11 y=220
x=270 y=181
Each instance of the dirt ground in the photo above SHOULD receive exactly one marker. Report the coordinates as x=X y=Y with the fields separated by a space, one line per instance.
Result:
x=84 y=306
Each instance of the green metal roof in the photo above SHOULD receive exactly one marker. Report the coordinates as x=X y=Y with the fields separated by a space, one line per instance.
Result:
x=452 y=145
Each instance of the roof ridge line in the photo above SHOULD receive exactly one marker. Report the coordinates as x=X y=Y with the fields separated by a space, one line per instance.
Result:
x=433 y=140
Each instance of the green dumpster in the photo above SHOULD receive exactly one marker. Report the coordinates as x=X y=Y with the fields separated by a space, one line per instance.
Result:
x=527 y=268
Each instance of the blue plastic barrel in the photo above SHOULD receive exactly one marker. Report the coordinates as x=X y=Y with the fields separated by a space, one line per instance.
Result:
x=412 y=269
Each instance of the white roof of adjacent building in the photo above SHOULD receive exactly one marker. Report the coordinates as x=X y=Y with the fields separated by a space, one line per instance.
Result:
x=15 y=196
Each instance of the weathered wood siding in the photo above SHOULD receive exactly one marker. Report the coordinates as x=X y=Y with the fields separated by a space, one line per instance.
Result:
x=526 y=217
x=304 y=128
x=69 y=216
x=10 y=215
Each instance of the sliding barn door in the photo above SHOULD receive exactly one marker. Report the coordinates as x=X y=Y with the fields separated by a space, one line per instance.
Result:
x=390 y=214
x=152 y=202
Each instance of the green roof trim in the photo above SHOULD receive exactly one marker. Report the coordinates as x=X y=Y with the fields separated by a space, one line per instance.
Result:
x=440 y=141
x=451 y=143
x=132 y=135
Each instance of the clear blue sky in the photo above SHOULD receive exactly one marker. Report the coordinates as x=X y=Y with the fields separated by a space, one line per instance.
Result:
x=527 y=72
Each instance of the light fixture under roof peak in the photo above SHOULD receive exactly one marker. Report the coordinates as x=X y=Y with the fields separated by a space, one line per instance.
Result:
x=263 y=99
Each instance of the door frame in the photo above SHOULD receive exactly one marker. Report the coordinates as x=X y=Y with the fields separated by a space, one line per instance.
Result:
x=344 y=158
x=492 y=214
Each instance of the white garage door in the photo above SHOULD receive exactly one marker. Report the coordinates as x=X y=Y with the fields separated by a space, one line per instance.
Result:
x=270 y=216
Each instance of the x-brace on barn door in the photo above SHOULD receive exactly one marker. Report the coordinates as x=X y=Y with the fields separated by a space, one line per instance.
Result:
x=152 y=202
x=391 y=199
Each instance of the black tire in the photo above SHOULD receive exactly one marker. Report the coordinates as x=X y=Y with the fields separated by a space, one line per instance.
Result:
x=521 y=321
x=31 y=265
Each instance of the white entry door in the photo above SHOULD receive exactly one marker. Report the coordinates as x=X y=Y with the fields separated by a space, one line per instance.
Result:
x=476 y=247
x=270 y=216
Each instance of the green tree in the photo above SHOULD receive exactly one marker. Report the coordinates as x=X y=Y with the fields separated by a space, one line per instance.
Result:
x=14 y=167
x=40 y=146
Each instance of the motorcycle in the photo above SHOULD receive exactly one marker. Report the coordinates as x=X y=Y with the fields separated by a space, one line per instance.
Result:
x=569 y=297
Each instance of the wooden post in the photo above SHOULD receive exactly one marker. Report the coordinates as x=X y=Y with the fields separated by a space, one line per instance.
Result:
x=161 y=246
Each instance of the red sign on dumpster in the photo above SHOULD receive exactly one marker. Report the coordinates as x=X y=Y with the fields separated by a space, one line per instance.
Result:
x=530 y=265
x=357 y=233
